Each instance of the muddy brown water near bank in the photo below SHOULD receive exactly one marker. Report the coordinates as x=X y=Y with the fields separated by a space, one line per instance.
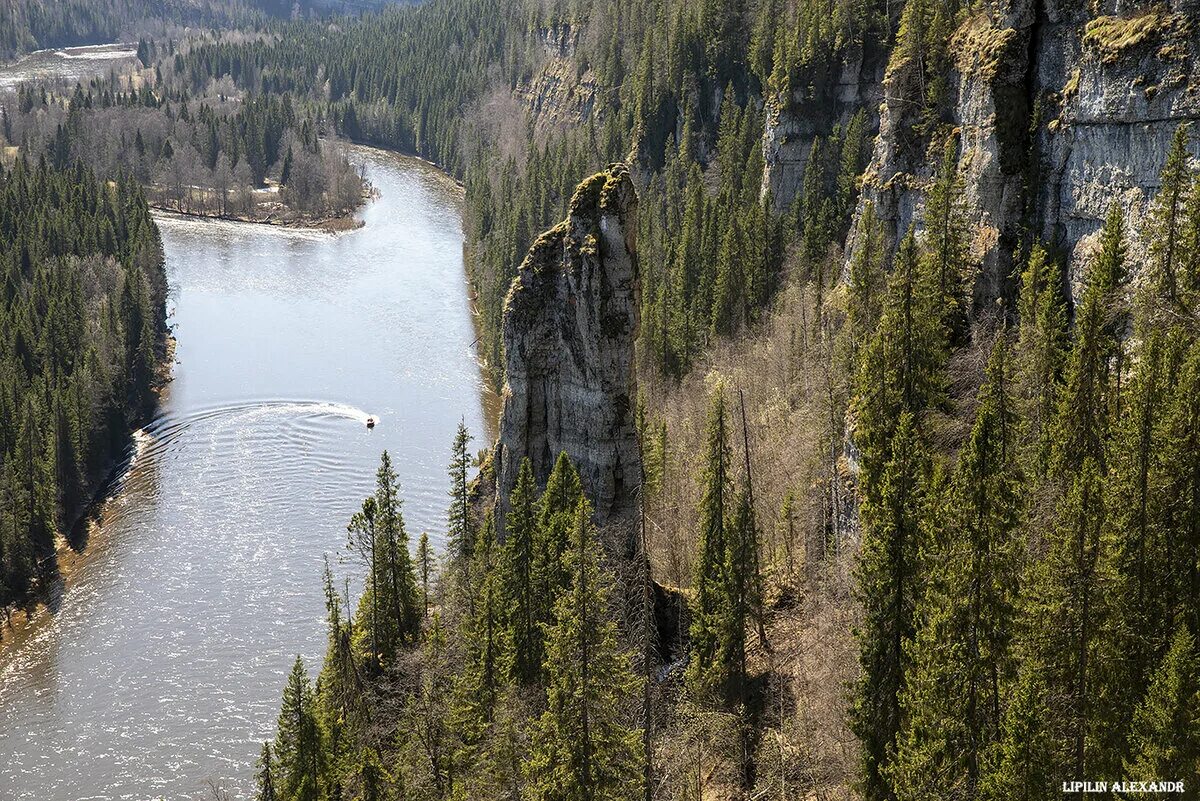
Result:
x=160 y=665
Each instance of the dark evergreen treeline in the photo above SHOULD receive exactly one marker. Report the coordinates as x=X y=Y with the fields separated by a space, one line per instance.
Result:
x=501 y=674
x=27 y=25
x=203 y=153
x=82 y=323
x=1030 y=592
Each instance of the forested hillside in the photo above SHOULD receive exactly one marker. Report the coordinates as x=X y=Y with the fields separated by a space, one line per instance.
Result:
x=918 y=363
x=917 y=414
x=204 y=150
x=82 y=326
x=27 y=25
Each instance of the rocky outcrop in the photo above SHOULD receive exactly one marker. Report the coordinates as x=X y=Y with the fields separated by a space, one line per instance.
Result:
x=1061 y=108
x=570 y=322
x=1122 y=84
x=792 y=123
x=559 y=94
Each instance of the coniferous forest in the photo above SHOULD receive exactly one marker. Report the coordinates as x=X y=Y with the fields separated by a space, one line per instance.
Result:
x=83 y=337
x=917 y=388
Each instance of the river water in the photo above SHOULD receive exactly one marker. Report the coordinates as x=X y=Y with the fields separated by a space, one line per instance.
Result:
x=161 y=664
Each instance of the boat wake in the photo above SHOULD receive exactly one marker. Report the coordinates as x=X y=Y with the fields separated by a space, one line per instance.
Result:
x=295 y=432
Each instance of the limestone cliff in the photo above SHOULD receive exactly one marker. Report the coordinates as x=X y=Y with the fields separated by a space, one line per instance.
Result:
x=813 y=109
x=1061 y=108
x=559 y=94
x=570 y=321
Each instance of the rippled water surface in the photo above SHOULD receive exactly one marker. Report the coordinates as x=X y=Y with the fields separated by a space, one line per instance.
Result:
x=161 y=665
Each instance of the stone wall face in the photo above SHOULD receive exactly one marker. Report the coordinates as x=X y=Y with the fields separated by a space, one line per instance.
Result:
x=570 y=322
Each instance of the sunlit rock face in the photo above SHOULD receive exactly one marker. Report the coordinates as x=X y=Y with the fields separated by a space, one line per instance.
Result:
x=570 y=322
x=1060 y=108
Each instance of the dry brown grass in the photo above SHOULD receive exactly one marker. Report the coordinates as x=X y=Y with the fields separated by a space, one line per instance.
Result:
x=792 y=372
x=1115 y=36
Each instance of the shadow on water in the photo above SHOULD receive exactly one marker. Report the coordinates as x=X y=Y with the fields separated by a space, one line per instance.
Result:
x=51 y=582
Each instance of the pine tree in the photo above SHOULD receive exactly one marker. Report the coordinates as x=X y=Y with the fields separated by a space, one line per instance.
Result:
x=524 y=638
x=583 y=747
x=887 y=588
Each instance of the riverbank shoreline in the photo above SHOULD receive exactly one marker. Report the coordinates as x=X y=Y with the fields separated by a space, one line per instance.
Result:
x=330 y=224
x=71 y=543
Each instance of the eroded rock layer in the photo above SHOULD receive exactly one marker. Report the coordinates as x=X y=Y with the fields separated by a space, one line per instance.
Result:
x=570 y=321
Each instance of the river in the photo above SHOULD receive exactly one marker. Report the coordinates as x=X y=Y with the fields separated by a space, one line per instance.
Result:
x=161 y=663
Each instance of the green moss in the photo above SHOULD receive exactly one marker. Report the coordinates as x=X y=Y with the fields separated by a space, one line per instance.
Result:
x=981 y=48
x=587 y=195
x=1072 y=86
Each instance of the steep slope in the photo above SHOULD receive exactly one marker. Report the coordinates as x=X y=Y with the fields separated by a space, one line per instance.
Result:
x=1057 y=114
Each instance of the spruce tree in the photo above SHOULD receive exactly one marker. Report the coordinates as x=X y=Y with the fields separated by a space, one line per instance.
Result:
x=1067 y=626
x=425 y=570
x=1084 y=405
x=372 y=778
x=741 y=558
x=1165 y=740
x=902 y=366
x=524 y=638
x=402 y=582
x=867 y=282
x=479 y=686
x=583 y=747
x=459 y=536
x=1023 y=764
x=1039 y=358
x=1140 y=545
x=947 y=231
x=556 y=519
x=888 y=576
x=705 y=668
x=265 y=777
x=1178 y=576
x=1166 y=219
x=960 y=660
x=298 y=740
